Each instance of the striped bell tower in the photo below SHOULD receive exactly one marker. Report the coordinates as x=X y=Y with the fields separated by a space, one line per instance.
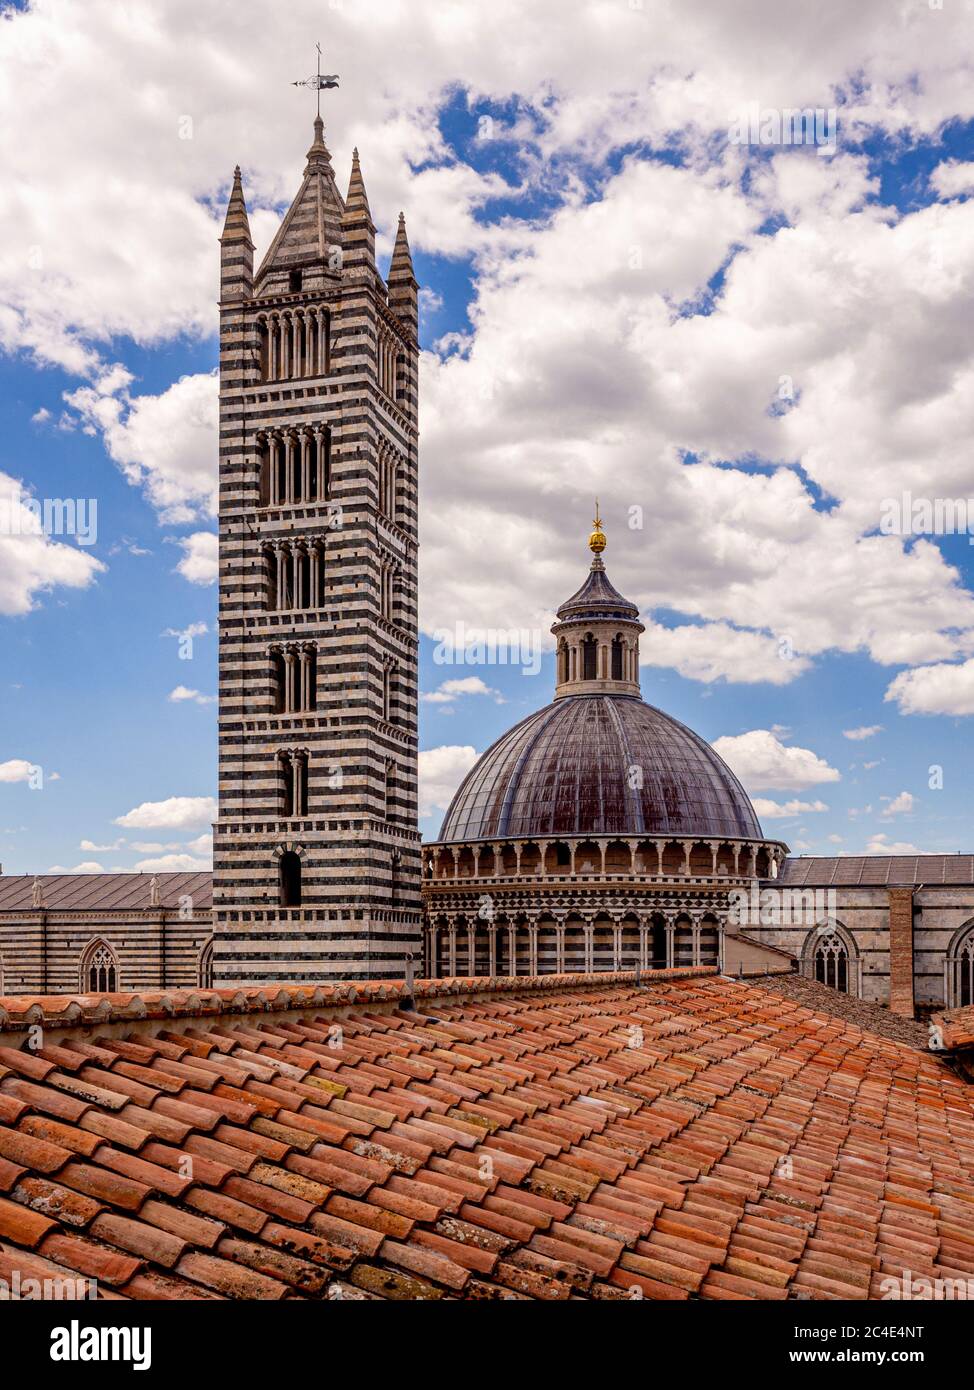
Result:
x=316 y=854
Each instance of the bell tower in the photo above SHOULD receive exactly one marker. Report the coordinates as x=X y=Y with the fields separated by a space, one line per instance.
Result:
x=316 y=846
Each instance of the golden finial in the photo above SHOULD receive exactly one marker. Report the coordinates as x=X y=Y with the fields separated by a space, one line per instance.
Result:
x=596 y=541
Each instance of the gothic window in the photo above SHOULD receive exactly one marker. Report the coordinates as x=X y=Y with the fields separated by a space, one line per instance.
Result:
x=287 y=784
x=290 y=878
x=617 y=658
x=205 y=966
x=302 y=580
x=264 y=472
x=589 y=648
x=99 y=969
x=310 y=700
x=279 y=681
x=832 y=963
x=263 y=349
x=960 y=970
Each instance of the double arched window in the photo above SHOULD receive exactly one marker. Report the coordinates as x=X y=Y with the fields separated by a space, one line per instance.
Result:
x=99 y=968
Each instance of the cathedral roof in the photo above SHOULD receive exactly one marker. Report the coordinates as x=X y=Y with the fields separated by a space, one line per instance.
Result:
x=600 y=764
x=876 y=870
x=106 y=892
x=506 y=1139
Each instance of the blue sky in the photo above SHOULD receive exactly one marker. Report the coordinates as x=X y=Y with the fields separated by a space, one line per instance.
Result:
x=615 y=293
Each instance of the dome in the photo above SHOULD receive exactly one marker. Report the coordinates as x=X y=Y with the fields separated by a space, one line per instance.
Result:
x=566 y=770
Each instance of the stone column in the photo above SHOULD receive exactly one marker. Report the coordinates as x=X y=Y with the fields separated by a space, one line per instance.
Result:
x=512 y=947
x=314 y=566
x=289 y=681
x=670 y=926
x=471 y=948
x=616 y=945
x=695 y=929
x=434 y=972
x=492 y=947
x=272 y=348
x=643 y=944
x=281 y=577
x=452 y=947
x=305 y=466
x=589 y=947
x=687 y=844
x=560 y=943
x=533 y=948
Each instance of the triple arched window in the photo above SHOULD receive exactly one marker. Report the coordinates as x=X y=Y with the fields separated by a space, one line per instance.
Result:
x=959 y=969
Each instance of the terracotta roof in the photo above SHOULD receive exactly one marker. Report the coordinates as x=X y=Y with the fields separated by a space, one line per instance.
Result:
x=542 y=1138
x=105 y=892
x=875 y=870
x=956 y=1027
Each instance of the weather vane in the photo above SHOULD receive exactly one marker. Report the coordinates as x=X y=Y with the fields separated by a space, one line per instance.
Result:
x=317 y=81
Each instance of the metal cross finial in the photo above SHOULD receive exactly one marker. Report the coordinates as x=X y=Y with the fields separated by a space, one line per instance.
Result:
x=318 y=82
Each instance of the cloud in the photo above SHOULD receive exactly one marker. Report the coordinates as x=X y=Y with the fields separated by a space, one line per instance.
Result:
x=899 y=805
x=182 y=693
x=202 y=847
x=864 y=731
x=763 y=762
x=173 y=863
x=953 y=178
x=200 y=562
x=92 y=848
x=175 y=813
x=17 y=770
x=449 y=690
x=88 y=866
x=778 y=810
x=165 y=444
x=31 y=563
x=943 y=689
x=441 y=771
x=881 y=844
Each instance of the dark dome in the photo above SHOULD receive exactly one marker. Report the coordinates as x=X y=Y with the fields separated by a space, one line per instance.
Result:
x=564 y=771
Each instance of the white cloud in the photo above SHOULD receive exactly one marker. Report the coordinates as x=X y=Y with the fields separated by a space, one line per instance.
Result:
x=88 y=866
x=881 y=844
x=953 y=178
x=899 y=805
x=17 y=770
x=181 y=693
x=202 y=847
x=175 y=813
x=449 y=690
x=763 y=762
x=717 y=651
x=864 y=731
x=165 y=444
x=441 y=771
x=778 y=810
x=173 y=863
x=92 y=848
x=31 y=563
x=200 y=562
x=942 y=689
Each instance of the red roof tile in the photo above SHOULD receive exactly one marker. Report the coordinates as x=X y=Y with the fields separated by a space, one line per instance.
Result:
x=688 y=1136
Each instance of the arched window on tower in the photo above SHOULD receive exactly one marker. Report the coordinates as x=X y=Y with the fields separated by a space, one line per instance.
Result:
x=290 y=875
x=617 y=659
x=562 y=662
x=589 y=652
x=294 y=282
x=390 y=789
x=278 y=681
x=99 y=969
x=287 y=784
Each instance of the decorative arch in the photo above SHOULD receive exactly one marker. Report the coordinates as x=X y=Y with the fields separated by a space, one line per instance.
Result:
x=204 y=967
x=959 y=968
x=99 y=972
x=288 y=858
x=830 y=955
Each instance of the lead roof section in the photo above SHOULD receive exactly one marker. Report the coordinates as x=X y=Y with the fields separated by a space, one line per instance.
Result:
x=877 y=870
x=107 y=892
x=571 y=769
x=698 y=1138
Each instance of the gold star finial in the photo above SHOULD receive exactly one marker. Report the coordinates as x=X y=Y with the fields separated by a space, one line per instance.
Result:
x=596 y=541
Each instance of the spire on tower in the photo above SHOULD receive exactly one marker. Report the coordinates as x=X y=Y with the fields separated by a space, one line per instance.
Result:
x=402 y=281
x=358 y=229
x=597 y=541
x=236 y=247
x=319 y=156
x=236 y=226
